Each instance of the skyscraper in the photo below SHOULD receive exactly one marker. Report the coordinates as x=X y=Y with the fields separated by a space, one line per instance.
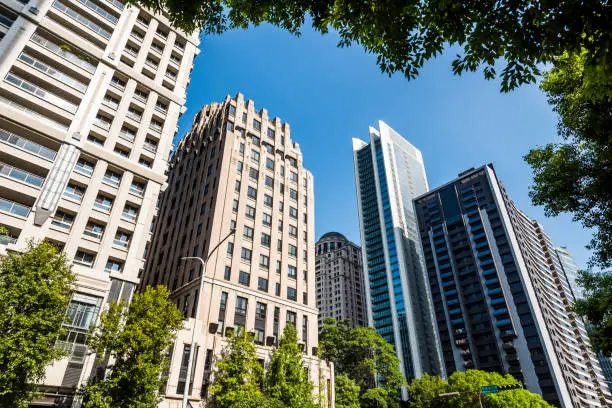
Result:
x=90 y=97
x=389 y=174
x=340 y=285
x=501 y=299
x=237 y=169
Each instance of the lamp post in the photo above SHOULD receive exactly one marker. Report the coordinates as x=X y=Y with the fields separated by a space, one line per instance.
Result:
x=197 y=314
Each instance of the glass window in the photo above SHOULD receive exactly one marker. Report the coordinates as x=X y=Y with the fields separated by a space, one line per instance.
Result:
x=260 y=310
x=74 y=192
x=228 y=273
x=256 y=124
x=293 y=230
x=268 y=200
x=262 y=284
x=253 y=173
x=113 y=266
x=291 y=293
x=235 y=206
x=293 y=194
x=241 y=305
x=259 y=336
x=291 y=318
x=248 y=232
x=292 y=271
x=264 y=261
x=250 y=212
x=81 y=315
x=255 y=156
x=293 y=176
x=246 y=254
x=271 y=133
x=230 y=248
x=244 y=278
x=265 y=240
x=270 y=164
x=267 y=219
x=292 y=250
x=293 y=212
x=84 y=258
x=239 y=166
x=252 y=192
x=269 y=182
x=63 y=220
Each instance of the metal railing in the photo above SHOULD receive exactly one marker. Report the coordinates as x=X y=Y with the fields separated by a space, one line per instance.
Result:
x=41 y=93
x=21 y=175
x=14 y=208
x=52 y=72
x=25 y=144
x=67 y=55
x=81 y=19
x=99 y=11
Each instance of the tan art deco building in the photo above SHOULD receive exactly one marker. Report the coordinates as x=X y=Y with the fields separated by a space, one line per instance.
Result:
x=237 y=169
x=90 y=95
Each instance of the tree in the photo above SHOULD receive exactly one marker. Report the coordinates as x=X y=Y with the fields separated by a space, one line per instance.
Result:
x=137 y=339
x=513 y=35
x=575 y=176
x=375 y=398
x=287 y=379
x=347 y=392
x=363 y=355
x=239 y=375
x=424 y=392
x=35 y=290
x=596 y=308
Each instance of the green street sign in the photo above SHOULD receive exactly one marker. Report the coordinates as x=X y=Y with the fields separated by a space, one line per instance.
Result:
x=488 y=389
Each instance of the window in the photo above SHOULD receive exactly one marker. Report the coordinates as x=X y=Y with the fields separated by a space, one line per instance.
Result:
x=293 y=212
x=255 y=156
x=265 y=240
x=293 y=194
x=203 y=209
x=244 y=278
x=252 y=192
x=250 y=212
x=256 y=124
x=279 y=245
x=231 y=110
x=292 y=161
x=246 y=254
x=270 y=164
x=305 y=298
x=278 y=288
x=244 y=116
x=241 y=148
x=291 y=318
x=239 y=166
x=229 y=126
x=291 y=293
x=237 y=186
x=281 y=206
x=95 y=140
x=253 y=173
x=278 y=266
x=122 y=239
x=264 y=261
x=84 y=167
x=230 y=248
x=84 y=258
x=81 y=315
x=241 y=305
x=255 y=140
x=293 y=230
x=235 y=206
x=94 y=230
x=268 y=200
x=258 y=336
x=269 y=182
x=262 y=284
x=199 y=230
x=271 y=133
x=63 y=220
x=248 y=232
x=228 y=273
x=122 y=152
x=103 y=203
x=292 y=250
x=267 y=219
x=113 y=266
x=232 y=225
x=293 y=176
x=260 y=310
x=74 y=192
x=292 y=271
x=129 y=213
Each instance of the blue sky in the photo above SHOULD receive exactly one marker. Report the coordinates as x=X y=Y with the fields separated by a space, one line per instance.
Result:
x=329 y=95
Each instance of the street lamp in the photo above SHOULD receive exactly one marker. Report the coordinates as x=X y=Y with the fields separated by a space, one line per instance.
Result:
x=197 y=314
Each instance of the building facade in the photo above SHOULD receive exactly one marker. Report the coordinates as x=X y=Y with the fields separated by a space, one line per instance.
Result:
x=340 y=284
x=90 y=97
x=237 y=169
x=501 y=299
x=389 y=174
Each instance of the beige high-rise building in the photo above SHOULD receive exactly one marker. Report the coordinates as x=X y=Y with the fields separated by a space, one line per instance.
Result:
x=90 y=95
x=237 y=169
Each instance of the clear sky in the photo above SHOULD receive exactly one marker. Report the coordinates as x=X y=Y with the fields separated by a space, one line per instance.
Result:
x=329 y=95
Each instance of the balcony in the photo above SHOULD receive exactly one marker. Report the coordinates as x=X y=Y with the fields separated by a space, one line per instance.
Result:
x=141 y=20
x=150 y=147
x=170 y=76
x=41 y=93
x=84 y=168
x=134 y=115
x=99 y=11
x=104 y=124
x=116 y=83
x=67 y=55
x=103 y=205
x=155 y=126
x=27 y=110
x=127 y=136
x=136 y=190
x=140 y=97
x=81 y=19
x=129 y=216
x=27 y=145
x=14 y=208
x=131 y=51
x=137 y=36
x=94 y=233
x=157 y=48
x=21 y=175
x=52 y=72
x=117 y=4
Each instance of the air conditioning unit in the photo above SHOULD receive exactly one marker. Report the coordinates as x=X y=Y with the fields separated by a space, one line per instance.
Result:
x=213 y=327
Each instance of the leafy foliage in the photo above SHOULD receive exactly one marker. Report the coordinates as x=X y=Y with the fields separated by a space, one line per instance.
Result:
x=347 y=392
x=35 y=289
x=286 y=379
x=424 y=392
x=575 y=176
x=3 y=230
x=239 y=375
x=596 y=307
x=137 y=338
x=364 y=356
x=376 y=398
x=405 y=34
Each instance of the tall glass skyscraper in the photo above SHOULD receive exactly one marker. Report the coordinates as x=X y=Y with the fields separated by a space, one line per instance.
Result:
x=389 y=174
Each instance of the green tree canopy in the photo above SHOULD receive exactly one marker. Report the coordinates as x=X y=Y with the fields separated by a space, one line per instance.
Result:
x=347 y=392
x=376 y=398
x=138 y=338
x=515 y=36
x=238 y=374
x=363 y=355
x=596 y=307
x=287 y=379
x=424 y=392
x=35 y=289
x=575 y=176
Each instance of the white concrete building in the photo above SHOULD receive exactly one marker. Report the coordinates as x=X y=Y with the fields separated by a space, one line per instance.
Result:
x=90 y=95
x=237 y=169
